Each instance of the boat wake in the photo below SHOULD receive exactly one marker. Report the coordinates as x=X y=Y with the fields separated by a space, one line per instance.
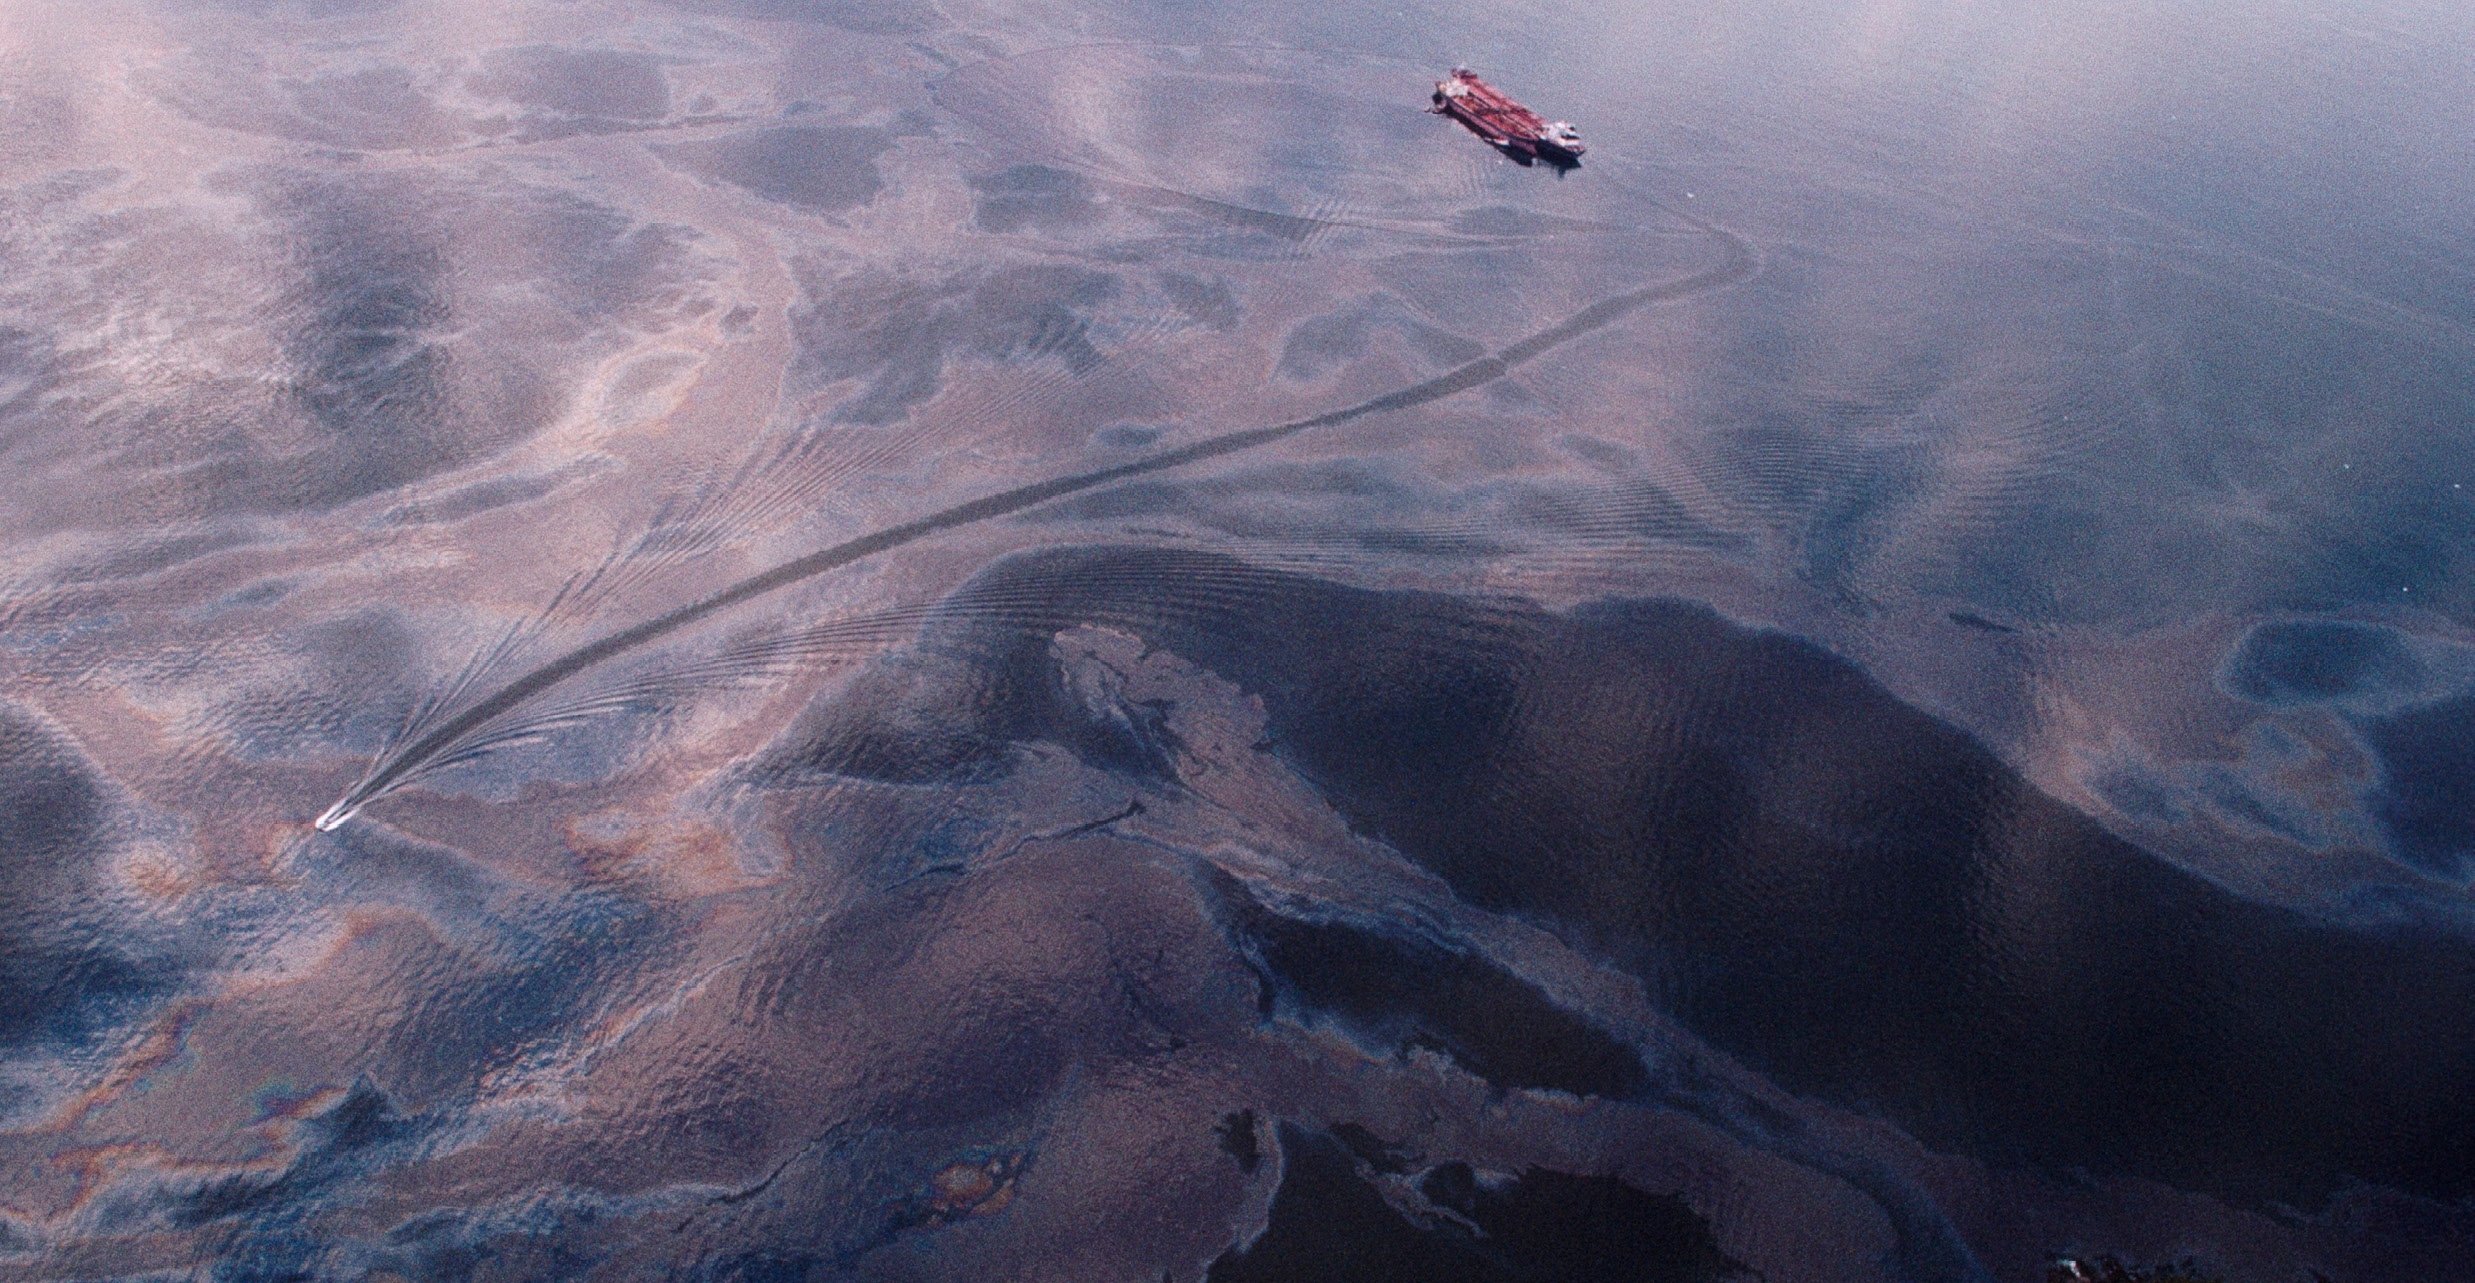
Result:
x=470 y=718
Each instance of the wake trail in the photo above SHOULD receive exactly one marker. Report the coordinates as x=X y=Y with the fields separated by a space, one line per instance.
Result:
x=1739 y=262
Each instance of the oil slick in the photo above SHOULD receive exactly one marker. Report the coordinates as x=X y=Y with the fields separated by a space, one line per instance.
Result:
x=1912 y=766
x=490 y=721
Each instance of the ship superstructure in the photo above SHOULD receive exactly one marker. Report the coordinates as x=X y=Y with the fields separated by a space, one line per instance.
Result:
x=1516 y=130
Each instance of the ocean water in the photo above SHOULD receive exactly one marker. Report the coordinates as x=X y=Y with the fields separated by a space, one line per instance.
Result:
x=764 y=639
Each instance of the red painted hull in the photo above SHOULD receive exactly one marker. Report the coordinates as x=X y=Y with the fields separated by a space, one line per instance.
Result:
x=1491 y=114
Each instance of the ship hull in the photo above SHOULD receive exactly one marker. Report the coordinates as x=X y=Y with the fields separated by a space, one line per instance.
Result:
x=1504 y=124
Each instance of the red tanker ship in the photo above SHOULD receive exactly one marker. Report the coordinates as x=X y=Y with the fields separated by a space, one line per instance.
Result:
x=1514 y=129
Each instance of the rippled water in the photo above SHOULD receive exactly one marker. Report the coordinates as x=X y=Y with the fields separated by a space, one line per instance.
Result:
x=765 y=639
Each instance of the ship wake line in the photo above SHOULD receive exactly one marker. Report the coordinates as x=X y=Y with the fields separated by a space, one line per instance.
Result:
x=479 y=728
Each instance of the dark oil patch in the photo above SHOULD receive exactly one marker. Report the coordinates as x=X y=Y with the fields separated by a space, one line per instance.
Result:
x=601 y=83
x=822 y=168
x=1329 y=1220
x=371 y=355
x=1238 y=1140
x=896 y=334
x=58 y=986
x=1205 y=302
x=1126 y=436
x=2305 y=661
x=2427 y=802
x=362 y=1131
x=1406 y=992
x=1036 y=196
x=1853 y=897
